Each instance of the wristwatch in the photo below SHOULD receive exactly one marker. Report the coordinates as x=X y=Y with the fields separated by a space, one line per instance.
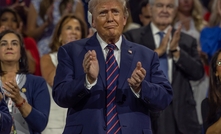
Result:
x=175 y=50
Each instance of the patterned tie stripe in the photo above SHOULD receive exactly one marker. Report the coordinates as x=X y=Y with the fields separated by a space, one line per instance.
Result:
x=112 y=72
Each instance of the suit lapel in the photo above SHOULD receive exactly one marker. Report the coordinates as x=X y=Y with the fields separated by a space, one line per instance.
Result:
x=127 y=53
x=147 y=38
x=93 y=44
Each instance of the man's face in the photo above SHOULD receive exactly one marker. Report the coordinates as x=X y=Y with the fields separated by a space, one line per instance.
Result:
x=109 y=19
x=145 y=15
x=163 y=12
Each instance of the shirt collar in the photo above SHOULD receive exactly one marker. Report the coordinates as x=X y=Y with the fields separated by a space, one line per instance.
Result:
x=155 y=30
x=104 y=44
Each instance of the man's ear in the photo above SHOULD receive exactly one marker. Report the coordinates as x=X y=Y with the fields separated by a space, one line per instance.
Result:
x=93 y=23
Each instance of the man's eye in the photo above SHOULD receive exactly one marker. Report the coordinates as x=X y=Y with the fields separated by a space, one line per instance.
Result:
x=170 y=6
x=115 y=12
x=219 y=63
x=159 y=5
x=102 y=13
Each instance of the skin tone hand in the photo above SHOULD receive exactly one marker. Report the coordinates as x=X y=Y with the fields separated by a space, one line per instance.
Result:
x=13 y=92
x=163 y=46
x=175 y=41
x=91 y=66
x=137 y=77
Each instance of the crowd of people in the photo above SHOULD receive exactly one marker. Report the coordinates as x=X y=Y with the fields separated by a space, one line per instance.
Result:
x=110 y=66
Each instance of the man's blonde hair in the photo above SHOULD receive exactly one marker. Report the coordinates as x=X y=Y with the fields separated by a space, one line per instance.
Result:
x=93 y=4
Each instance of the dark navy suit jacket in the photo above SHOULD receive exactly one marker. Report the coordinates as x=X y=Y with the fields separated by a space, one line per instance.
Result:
x=86 y=108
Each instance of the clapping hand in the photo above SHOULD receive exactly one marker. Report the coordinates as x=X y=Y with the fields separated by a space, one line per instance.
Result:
x=91 y=66
x=176 y=37
x=13 y=92
x=137 y=77
x=163 y=46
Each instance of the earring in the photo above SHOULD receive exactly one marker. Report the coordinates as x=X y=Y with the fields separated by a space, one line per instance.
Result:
x=19 y=60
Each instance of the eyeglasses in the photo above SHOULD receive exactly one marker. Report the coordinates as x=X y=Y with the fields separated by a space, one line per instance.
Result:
x=219 y=63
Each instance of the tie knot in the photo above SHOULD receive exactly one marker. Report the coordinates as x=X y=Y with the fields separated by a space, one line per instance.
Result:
x=111 y=46
x=161 y=34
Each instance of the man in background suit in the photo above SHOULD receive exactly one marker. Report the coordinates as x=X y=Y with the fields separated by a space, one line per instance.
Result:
x=138 y=85
x=5 y=117
x=182 y=64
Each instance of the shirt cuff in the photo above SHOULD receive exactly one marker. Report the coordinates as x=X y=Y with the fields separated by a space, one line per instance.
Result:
x=136 y=94
x=176 y=59
x=88 y=85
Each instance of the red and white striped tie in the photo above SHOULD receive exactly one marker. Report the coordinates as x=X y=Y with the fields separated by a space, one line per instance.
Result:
x=112 y=74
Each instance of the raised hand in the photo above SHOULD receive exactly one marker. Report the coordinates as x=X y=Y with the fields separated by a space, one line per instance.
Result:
x=163 y=46
x=137 y=77
x=176 y=37
x=91 y=66
x=13 y=92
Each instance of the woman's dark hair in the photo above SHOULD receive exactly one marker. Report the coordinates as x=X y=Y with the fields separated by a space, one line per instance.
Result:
x=8 y=10
x=23 y=61
x=19 y=15
x=214 y=88
x=55 y=43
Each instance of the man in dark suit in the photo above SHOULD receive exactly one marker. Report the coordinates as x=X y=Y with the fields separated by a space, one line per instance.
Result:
x=182 y=64
x=5 y=117
x=135 y=84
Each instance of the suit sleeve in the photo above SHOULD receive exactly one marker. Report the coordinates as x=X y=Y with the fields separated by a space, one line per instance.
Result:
x=5 y=118
x=38 y=117
x=66 y=88
x=156 y=93
x=190 y=63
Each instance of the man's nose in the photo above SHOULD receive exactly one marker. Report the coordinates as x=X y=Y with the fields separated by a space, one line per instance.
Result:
x=164 y=8
x=110 y=16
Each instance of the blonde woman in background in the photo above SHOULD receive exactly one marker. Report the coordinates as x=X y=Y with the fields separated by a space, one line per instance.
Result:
x=190 y=16
x=69 y=28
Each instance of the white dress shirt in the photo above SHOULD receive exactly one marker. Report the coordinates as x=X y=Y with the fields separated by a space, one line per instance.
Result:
x=156 y=37
x=117 y=53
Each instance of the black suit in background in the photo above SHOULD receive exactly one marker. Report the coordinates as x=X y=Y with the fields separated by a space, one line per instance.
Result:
x=180 y=116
